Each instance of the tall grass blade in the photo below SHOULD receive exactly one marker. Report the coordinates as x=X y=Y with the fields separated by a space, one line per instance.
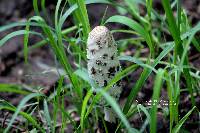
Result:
x=155 y=99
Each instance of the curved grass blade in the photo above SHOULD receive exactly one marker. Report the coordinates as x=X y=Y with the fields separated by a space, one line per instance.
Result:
x=134 y=10
x=143 y=109
x=84 y=107
x=148 y=119
x=20 y=106
x=145 y=74
x=136 y=61
x=26 y=35
x=17 y=24
x=13 y=89
x=181 y=122
x=135 y=26
x=16 y=33
x=74 y=7
x=4 y=105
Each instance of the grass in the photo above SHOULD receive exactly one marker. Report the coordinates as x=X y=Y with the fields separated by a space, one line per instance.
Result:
x=167 y=61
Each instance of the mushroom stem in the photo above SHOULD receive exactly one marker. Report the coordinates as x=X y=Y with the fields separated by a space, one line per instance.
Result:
x=109 y=115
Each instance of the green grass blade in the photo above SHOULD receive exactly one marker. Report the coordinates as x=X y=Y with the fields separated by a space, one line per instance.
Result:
x=17 y=89
x=44 y=9
x=196 y=44
x=184 y=61
x=178 y=13
x=135 y=26
x=191 y=31
x=172 y=100
x=155 y=99
x=14 y=34
x=145 y=74
x=74 y=7
x=20 y=106
x=142 y=108
x=57 y=12
x=84 y=17
x=149 y=7
x=6 y=106
x=134 y=10
x=173 y=29
x=181 y=122
x=26 y=35
x=60 y=52
x=76 y=13
x=35 y=7
x=17 y=24
x=136 y=61
x=84 y=107
x=45 y=41
x=47 y=115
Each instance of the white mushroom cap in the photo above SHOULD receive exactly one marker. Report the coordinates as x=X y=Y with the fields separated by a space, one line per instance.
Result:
x=103 y=63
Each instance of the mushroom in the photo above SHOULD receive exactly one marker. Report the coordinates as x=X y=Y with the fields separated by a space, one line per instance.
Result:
x=103 y=64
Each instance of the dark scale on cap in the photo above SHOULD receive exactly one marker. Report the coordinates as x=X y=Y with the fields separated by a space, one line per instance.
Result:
x=109 y=42
x=111 y=71
x=110 y=39
x=93 y=71
x=101 y=72
x=118 y=68
x=109 y=45
x=99 y=46
x=93 y=51
x=105 y=83
x=117 y=96
x=98 y=62
x=112 y=57
x=97 y=82
x=104 y=41
x=104 y=64
x=105 y=56
x=119 y=83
